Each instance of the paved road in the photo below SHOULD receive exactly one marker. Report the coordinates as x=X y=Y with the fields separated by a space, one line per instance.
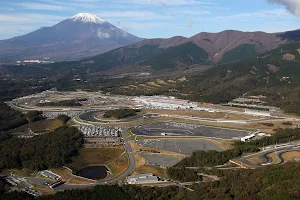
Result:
x=132 y=162
x=155 y=129
x=91 y=116
x=263 y=155
x=129 y=170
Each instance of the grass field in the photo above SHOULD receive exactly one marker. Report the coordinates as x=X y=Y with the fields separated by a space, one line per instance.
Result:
x=114 y=157
x=153 y=84
x=45 y=125
x=157 y=151
x=202 y=114
x=94 y=156
x=255 y=160
x=275 y=158
x=152 y=169
x=289 y=156
x=68 y=177
x=119 y=165
x=19 y=172
x=142 y=167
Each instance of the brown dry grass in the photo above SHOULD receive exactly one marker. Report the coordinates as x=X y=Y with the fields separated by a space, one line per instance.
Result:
x=68 y=177
x=19 y=172
x=152 y=169
x=48 y=125
x=157 y=151
x=93 y=156
x=141 y=166
x=275 y=158
x=255 y=160
x=45 y=190
x=250 y=126
x=64 y=173
x=77 y=180
x=288 y=156
x=203 y=114
x=119 y=165
x=241 y=163
x=289 y=57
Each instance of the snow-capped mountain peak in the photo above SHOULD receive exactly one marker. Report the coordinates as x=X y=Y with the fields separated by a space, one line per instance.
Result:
x=87 y=18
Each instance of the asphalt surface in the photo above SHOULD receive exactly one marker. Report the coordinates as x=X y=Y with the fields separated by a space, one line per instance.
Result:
x=91 y=116
x=159 y=160
x=263 y=155
x=186 y=147
x=132 y=162
x=156 y=129
x=130 y=169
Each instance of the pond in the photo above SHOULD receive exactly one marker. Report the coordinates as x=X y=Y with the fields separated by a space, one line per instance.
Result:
x=94 y=172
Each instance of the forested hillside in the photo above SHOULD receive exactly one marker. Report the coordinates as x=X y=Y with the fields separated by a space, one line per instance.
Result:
x=267 y=183
x=275 y=74
x=40 y=152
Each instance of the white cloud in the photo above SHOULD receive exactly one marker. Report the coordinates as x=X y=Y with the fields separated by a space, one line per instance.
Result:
x=292 y=6
x=165 y=2
x=14 y=24
x=260 y=14
x=190 y=23
x=42 y=6
x=13 y=30
x=133 y=15
x=103 y=35
x=30 y=18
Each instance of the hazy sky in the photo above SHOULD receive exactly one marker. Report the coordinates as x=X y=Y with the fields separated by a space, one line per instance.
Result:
x=154 y=18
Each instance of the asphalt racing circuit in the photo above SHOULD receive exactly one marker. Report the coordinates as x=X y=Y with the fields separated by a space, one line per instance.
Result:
x=188 y=130
x=91 y=117
x=264 y=155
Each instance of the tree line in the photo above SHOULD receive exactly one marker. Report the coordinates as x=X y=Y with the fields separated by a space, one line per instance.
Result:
x=213 y=158
x=40 y=152
x=70 y=103
x=120 y=113
x=273 y=183
x=10 y=118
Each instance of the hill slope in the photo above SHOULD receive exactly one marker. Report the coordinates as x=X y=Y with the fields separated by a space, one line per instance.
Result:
x=224 y=47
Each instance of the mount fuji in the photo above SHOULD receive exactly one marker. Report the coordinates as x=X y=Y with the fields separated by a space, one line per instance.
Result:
x=80 y=36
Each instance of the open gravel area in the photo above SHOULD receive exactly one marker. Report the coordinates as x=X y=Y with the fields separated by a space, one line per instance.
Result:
x=159 y=160
x=181 y=129
x=186 y=147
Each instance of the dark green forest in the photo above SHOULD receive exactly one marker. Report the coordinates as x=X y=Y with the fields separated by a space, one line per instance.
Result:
x=213 y=158
x=10 y=118
x=267 y=183
x=40 y=152
x=72 y=102
x=120 y=113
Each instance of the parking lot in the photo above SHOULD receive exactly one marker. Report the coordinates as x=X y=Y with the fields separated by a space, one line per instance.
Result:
x=186 y=147
x=181 y=129
x=159 y=160
x=53 y=115
x=99 y=131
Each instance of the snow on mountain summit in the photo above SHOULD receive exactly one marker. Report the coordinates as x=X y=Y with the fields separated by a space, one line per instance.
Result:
x=87 y=18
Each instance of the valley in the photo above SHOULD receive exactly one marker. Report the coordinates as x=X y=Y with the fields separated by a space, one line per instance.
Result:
x=89 y=110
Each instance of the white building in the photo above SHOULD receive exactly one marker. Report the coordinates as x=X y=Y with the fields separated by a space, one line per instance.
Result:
x=247 y=138
x=142 y=179
x=163 y=102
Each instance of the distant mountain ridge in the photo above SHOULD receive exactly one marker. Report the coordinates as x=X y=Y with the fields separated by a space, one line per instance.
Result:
x=80 y=36
x=88 y=36
x=211 y=48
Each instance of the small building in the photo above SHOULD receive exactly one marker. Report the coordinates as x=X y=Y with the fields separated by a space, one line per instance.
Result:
x=50 y=174
x=142 y=179
x=247 y=138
